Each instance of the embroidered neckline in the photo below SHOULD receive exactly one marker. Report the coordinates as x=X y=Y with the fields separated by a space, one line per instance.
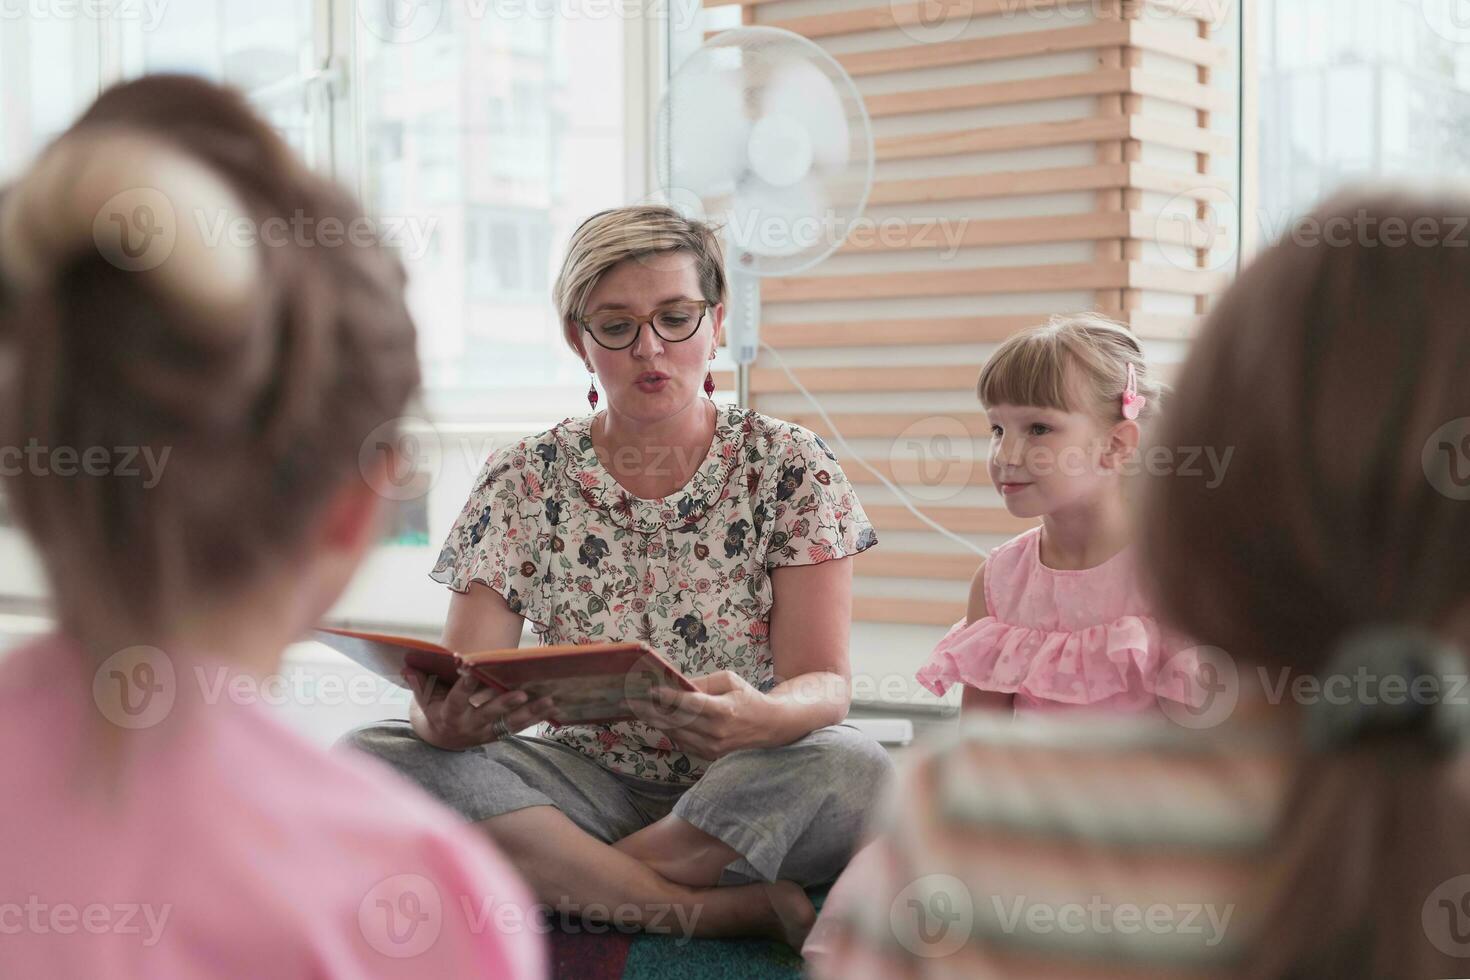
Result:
x=1035 y=546
x=685 y=508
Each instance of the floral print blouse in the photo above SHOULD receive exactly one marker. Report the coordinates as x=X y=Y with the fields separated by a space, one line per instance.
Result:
x=571 y=550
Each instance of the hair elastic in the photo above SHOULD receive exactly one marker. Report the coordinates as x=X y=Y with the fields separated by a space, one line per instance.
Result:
x=1133 y=402
x=1368 y=659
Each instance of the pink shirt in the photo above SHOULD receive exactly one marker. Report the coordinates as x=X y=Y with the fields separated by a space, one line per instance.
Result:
x=215 y=842
x=1065 y=638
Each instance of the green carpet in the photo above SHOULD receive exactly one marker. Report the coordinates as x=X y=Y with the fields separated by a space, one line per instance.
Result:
x=642 y=956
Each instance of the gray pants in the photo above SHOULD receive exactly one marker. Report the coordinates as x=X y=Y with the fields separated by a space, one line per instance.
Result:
x=794 y=812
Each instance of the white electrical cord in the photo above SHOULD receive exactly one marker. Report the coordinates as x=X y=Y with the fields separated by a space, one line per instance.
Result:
x=853 y=455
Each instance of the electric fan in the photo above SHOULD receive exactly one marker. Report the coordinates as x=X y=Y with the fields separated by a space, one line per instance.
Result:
x=763 y=133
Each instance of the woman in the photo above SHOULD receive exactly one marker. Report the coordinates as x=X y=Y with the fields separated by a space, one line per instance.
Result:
x=157 y=821
x=720 y=537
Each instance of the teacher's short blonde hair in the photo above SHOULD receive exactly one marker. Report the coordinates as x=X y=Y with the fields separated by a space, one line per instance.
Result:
x=609 y=237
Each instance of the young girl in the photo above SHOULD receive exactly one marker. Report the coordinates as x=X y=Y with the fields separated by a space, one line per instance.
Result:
x=1055 y=616
x=1056 y=619
x=1318 y=828
x=202 y=420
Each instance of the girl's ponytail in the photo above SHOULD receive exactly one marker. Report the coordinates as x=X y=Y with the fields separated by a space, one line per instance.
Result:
x=1330 y=374
x=217 y=381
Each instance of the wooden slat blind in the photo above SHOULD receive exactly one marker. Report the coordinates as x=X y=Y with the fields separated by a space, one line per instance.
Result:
x=1048 y=142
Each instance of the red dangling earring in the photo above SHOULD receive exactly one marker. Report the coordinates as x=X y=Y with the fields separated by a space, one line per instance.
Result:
x=709 y=384
x=591 y=393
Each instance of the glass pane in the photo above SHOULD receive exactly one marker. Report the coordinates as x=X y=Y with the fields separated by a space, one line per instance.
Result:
x=1353 y=88
x=249 y=43
x=487 y=140
x=48 y=76
x=263 y=46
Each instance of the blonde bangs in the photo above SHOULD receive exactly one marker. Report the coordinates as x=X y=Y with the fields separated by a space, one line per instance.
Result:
x=1075 y=362
x=1026 y=369
x=611 y=236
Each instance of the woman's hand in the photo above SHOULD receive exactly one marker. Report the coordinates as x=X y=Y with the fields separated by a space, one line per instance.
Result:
x=464 y=715
x=725 y=715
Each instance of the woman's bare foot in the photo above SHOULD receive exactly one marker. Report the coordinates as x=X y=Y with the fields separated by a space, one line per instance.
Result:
x=795 y=914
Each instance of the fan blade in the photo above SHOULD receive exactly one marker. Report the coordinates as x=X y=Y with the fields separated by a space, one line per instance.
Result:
x=765 y=130
x=803 y=92
x=769 y=221
x=703 y=159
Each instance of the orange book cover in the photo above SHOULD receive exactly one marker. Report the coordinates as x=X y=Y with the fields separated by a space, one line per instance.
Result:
x=588 y=682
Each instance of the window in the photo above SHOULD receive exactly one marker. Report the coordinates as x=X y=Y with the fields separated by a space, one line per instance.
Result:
x=1357 y=88
x=508 y=254
x=48 y=74
x=268 y=48
x=478 y=135
x=472 y=133
x=508 y=123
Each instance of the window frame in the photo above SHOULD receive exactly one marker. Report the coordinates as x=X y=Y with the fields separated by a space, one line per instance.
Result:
x=336 y=149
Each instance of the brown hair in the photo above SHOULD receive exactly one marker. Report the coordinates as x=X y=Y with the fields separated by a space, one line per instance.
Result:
x=260 y=368
x=1328 y=369
x=1075 y=357
x=611 y=236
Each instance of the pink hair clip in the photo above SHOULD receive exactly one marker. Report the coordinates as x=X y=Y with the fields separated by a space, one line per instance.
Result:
x=1133 y=402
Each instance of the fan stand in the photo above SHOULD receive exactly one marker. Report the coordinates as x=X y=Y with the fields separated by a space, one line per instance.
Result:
x=742 y=327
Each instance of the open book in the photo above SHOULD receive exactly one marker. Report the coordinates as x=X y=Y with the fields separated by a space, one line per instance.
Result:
x=588 y=683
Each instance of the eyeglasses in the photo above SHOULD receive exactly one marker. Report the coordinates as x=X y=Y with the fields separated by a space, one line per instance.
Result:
x=619 y=329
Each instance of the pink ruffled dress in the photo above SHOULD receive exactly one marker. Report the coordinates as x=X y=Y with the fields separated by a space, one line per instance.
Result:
x=1065 y=638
